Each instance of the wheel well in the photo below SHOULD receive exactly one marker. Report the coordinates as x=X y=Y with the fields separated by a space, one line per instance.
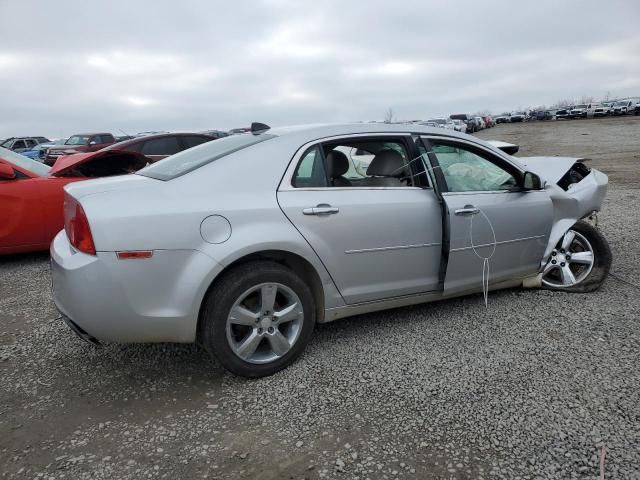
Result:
x=294 y=262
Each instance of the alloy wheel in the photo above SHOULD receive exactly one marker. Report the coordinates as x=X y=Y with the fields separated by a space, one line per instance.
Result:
x=264 y=323
x=570 y=262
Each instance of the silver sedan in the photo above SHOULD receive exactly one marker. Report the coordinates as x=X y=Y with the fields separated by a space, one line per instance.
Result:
x=245 y=243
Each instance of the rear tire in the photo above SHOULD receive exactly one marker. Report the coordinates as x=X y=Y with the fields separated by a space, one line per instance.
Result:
x=257 y=319
x=588 y=278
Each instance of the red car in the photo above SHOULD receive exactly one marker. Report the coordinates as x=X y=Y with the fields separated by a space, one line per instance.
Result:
x=159 y=146
x=81 y=143
x=31 y=194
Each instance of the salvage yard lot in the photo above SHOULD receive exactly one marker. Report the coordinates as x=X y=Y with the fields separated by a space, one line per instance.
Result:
x=531 y=387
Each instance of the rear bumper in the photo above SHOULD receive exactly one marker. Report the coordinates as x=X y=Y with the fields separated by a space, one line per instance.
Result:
x=150 y=300
x=80 y=332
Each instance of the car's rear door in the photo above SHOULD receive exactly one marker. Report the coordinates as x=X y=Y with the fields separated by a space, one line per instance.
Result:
x=376 y=242
x=487 y=215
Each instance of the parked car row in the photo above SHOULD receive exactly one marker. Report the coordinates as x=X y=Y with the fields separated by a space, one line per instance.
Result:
x=48 y=151
x=22 y=144
x=588 y=110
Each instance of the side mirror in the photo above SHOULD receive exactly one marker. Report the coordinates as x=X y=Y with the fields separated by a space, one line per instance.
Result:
x=6 y=172
x=531 y=181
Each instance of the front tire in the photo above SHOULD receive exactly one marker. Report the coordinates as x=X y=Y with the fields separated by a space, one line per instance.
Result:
x=580 y=262
x=257 y=319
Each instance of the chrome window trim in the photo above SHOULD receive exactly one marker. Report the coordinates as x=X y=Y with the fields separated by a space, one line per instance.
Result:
x=482 y=192
x=349 y=189
x=396 y=247
x=286 y=182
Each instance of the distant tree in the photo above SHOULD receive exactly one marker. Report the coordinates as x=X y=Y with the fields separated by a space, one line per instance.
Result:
x=565 y=102
x=586 y=99
x=388 y=115
x=607 y=96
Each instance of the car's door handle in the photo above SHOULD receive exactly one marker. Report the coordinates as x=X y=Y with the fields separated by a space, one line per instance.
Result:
x=467 y=210
x=321 y=209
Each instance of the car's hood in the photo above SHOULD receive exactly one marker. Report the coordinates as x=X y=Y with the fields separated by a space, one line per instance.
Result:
x=69 y=162
x=59 y=148
x=509 y=148
x=551 y=169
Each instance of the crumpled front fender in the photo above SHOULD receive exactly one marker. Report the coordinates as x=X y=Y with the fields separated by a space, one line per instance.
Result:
x=582 y=199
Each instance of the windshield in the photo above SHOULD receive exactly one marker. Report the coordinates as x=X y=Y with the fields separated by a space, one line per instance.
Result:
x=580 y=106
x=23 y=162
x=77 y=140
x=193 y=158
x=621 y=104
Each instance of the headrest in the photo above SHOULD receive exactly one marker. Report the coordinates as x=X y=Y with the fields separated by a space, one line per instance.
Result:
x=387 y=163
x=337 y=163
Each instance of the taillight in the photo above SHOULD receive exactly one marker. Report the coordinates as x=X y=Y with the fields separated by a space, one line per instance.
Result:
x=77 y=226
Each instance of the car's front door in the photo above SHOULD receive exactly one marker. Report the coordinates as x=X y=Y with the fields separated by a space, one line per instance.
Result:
x=489 y=216
x=378 y=236
x=20 y=211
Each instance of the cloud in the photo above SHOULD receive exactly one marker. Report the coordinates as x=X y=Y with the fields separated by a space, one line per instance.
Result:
x=149 y=65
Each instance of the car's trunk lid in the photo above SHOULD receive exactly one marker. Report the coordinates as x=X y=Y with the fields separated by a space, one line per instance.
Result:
x=99 y=164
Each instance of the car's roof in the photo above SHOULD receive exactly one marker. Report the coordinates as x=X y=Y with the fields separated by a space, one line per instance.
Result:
x=90 y=133
x=317 y=131
x=146 y=138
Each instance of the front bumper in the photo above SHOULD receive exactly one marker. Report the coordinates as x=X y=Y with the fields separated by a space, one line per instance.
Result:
x=150 y=300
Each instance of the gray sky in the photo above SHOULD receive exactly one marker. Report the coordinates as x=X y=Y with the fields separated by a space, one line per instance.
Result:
x=71 y=66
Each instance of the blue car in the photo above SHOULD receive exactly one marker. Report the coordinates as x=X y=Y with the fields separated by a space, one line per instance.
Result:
x=39 y=151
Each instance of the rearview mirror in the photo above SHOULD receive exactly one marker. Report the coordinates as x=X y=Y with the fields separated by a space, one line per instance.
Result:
x=531 y=181
x=6 y=172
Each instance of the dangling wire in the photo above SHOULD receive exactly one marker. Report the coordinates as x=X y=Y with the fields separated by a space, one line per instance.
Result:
x=485 y=260
x=486 y=268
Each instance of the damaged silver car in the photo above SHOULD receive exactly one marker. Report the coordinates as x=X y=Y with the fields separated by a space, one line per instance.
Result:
x=245 y=243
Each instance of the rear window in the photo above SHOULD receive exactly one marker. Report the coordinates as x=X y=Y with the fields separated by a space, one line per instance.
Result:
x=193 y=158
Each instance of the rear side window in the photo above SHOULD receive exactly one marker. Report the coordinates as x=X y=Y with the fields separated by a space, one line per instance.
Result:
x=194 y=141
x=106 y=138
x=161 y=146
x=310 y=172
x=193 y=158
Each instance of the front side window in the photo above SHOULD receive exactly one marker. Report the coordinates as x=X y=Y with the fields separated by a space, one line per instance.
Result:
x=466 y=171
x=77 y=140
x=18 y=144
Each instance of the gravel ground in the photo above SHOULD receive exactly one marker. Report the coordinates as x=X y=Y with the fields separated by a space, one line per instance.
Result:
x=532 y=387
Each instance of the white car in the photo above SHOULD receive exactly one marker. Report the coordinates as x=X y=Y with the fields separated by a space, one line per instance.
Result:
x=443 y=123
x=584 y=110
x=602 y=109
x=459 y=126
x=623 y=107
